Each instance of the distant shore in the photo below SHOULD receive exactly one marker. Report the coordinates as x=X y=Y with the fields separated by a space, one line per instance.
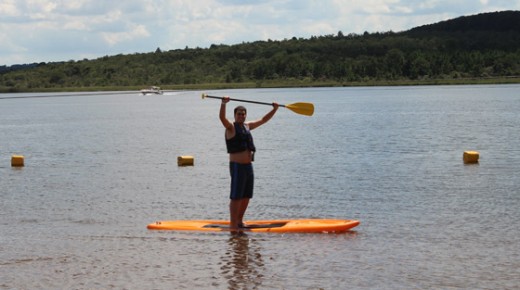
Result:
x=290 y=83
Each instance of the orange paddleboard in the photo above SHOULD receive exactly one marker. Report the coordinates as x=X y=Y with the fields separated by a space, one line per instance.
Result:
x=273 y=226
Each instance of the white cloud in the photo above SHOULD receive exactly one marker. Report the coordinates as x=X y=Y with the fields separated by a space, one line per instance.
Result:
x=135 y=32
x=8 y=8
x=56 y=30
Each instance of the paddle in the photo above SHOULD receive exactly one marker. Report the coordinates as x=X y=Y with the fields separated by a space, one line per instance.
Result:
x=306 y=109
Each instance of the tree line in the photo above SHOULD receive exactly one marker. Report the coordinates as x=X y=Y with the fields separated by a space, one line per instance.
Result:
x=484 y=45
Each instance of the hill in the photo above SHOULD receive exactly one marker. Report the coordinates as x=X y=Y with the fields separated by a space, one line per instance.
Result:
x=492 y=22
x=479 y=46
x=498 y=30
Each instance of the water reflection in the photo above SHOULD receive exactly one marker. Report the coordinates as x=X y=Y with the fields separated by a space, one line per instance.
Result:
x=242 y=263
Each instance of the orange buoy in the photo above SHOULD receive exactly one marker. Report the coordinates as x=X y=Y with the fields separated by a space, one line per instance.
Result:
x=17 y=161
x=185 y=161
x=470 y=157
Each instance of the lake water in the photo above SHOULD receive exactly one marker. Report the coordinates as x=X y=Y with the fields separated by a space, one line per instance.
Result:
x=100 y=167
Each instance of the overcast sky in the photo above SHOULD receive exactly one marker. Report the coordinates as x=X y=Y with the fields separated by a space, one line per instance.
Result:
x=63 y=30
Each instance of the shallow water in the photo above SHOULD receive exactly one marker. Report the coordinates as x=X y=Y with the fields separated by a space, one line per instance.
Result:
x=100 y=167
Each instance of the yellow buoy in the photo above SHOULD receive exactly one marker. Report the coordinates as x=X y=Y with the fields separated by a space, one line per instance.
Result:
x=470 y=157
x=185 y=160
x=17 y=160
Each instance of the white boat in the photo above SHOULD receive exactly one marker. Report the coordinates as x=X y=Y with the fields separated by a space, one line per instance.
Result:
x=152 y=90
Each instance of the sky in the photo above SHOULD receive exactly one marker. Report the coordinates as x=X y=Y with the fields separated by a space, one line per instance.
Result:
x=63 y=30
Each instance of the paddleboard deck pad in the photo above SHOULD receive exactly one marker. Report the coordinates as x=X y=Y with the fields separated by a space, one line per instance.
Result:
x=274 y=226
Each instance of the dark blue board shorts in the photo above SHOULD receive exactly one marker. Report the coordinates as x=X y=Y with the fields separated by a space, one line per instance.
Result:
x=242 y=180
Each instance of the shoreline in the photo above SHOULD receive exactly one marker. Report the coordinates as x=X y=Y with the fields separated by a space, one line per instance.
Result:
x=289 y=83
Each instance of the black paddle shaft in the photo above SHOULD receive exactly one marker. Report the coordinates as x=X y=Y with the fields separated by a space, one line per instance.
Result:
x=239 y=100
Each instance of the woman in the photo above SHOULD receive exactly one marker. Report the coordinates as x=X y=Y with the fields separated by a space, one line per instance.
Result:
x=241 y=149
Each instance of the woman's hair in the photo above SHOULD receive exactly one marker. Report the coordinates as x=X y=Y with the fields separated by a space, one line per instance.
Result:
x=240 y=108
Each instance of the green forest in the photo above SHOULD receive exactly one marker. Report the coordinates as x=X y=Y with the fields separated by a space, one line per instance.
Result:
x=479 y=47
